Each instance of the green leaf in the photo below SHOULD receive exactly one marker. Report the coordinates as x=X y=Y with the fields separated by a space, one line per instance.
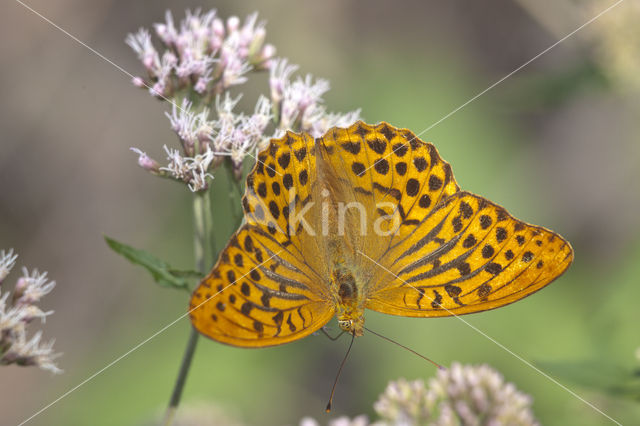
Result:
x=606 y=378
x=161 y=271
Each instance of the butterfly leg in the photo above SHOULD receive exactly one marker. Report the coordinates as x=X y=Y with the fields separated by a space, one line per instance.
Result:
x=329 y=336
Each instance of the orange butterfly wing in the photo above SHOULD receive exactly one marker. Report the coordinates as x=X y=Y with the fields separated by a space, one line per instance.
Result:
x=265 y=289
x=453 y=252
x=471 y=256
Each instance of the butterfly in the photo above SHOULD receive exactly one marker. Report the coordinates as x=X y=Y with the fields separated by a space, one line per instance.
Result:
x=365 y=217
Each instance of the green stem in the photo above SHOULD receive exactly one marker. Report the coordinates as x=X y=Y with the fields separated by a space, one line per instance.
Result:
x=203 y=233
x=235 y=193
x=204 y=248
x=182 y=377
x=205 y=253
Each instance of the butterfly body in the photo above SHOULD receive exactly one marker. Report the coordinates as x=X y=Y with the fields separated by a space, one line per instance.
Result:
x=349 y=301
x=368 y=217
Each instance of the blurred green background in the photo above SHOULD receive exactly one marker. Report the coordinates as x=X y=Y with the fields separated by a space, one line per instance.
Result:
x=556 y=144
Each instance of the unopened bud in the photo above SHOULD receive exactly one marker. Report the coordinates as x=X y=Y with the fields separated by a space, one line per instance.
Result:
x=218 y=27
x=201 y=85
x=265 y=60
x=139 y=82
x=157 y=89
x=21 y=286
x=233 y=23
x=146 y=162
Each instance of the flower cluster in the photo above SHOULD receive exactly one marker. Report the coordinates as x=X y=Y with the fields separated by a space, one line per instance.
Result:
x=17 y=313
x=205 y=54
x=298 y=104
x=198 y=66
x=463 y=394
x=404 y=402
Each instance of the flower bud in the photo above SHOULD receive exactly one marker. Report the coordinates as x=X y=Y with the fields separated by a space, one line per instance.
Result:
x=218 y=28
x=139 y=82
x=201 y=85
x=21 y=285
x=233 y=23
x=265 y=59
x=147 y=162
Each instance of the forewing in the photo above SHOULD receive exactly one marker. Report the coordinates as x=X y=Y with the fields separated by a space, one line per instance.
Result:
x=396 y=177
x=268 y=286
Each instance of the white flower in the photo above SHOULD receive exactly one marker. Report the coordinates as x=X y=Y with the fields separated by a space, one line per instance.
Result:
x=233 y=23
x=192 y=42
x=240 y=135
x=202 y=84
x=15 y=316
x=227 y=121
x=31 y=352
x=163 y=86
x=7 y=261
x=249 y=30
x=255 y=125
x=199 y=167
x=233 y=61
x=474 y=392
x=279 y=78
x=10 y=317
x=301 y=101
x=191 y=170
x=140 y=42
x=306 y=92
x=31 y=287
x=404 y=402
x=193 y=129
x=224 y=107
x=463 y=394
x=167 y=31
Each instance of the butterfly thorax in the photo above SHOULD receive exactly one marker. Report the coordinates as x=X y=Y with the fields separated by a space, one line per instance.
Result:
x=349 y=306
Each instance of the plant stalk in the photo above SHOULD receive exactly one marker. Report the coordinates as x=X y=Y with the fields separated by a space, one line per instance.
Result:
x=204 y=250
x=235 y=194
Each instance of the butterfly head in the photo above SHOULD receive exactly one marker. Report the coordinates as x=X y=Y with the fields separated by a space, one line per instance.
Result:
x=353 y=326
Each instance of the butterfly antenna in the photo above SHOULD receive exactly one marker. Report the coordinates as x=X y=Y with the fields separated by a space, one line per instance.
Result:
x=344 y=360
x=404 y=347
